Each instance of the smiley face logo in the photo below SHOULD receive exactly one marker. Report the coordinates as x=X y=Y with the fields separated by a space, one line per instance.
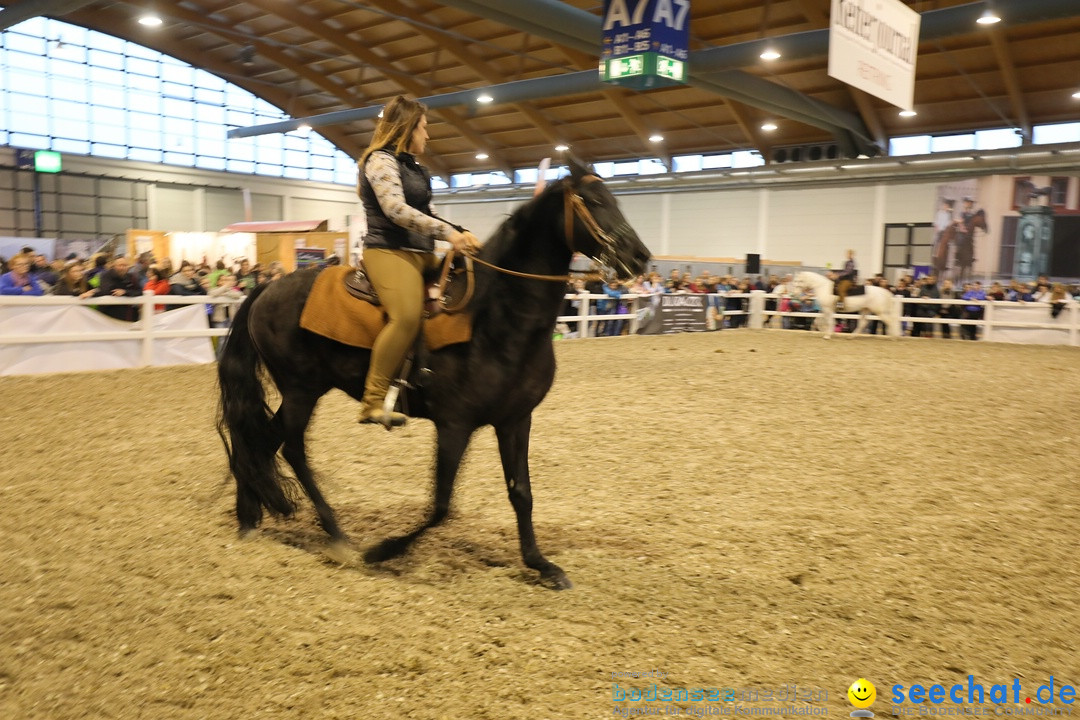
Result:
x=862 y=693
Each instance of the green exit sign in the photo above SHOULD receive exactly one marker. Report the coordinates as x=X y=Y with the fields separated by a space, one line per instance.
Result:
x=643 y=70
x=47 y=161
x=671 y=68
x=624 y=67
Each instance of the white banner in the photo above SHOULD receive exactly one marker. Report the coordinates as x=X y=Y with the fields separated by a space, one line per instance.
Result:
x=107 y=354
x=873 y=45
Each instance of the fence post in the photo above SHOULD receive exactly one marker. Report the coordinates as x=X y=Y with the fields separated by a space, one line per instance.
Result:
x=898 y=312
x=988 y=321
x=1074 y=315
x=634 y=320
x=756 y=308
x=146 y=320
x=583 y=314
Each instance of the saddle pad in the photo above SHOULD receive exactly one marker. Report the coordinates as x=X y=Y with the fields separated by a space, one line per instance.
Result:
x=332 y=312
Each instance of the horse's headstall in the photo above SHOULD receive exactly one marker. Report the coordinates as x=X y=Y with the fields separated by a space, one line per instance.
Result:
x=574 y=206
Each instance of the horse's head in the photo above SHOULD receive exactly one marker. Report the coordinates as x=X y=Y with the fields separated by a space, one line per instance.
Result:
x=806 y=282
x=594 y=225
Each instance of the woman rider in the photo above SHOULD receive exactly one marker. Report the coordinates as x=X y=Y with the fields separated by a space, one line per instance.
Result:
x=845 y=279
x=400 y=242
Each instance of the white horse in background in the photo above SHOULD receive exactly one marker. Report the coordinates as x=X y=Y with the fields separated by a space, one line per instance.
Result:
x=872 y=300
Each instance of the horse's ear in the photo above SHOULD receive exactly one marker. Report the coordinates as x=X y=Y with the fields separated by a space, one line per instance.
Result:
x=579 y=169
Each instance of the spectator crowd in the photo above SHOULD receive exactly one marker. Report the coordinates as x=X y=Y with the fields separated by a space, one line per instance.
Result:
x=30 y=273
x=727 y=303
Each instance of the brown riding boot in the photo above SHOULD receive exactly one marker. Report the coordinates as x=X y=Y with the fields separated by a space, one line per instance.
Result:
x=372 y=411
x=379 y=416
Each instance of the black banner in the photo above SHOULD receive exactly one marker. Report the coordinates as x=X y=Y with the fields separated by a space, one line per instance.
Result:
x=675 y=313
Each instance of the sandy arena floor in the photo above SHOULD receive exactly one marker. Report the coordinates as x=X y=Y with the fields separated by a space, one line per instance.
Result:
x=737 y=509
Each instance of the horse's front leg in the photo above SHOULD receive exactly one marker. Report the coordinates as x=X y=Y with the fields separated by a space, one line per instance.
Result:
x=514 y=452
x=826 y=317
x=451 y=442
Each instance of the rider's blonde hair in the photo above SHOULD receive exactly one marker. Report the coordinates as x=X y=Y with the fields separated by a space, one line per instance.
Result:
x=394 y=130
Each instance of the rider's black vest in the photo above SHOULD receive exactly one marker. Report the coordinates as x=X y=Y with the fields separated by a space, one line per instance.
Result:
x=381 y=231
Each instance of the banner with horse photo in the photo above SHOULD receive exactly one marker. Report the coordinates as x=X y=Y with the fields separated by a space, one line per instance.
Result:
x=1005 y=226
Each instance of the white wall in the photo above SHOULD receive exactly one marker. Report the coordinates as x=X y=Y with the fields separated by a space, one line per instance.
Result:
x=911 y=202
x=813 y=225
x=711 y=224
x=482 y=218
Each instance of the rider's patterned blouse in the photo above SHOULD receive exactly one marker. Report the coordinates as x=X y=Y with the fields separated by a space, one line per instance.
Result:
x=384 y=175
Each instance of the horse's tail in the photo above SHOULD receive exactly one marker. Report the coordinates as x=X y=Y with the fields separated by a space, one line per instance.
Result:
x=246 y=426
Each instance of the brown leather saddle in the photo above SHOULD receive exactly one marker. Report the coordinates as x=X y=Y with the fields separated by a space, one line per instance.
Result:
x=453 y=283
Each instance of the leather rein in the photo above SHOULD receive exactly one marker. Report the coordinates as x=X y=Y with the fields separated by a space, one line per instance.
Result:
x=573 y=207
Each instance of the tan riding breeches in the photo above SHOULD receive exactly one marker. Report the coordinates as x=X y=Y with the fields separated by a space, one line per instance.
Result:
x=398 y=279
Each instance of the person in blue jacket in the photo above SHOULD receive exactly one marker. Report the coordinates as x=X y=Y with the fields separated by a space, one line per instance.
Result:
x=19 y=281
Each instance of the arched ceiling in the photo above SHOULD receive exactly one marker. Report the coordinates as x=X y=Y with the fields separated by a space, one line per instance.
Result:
x=320 y=56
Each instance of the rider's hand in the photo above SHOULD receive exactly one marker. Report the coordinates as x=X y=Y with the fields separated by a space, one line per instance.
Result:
x=463 y=241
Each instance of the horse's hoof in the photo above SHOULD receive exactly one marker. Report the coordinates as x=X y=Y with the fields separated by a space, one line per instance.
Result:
x=387 y=549
x=340 y=552
x=555 y=580
x=246 y=533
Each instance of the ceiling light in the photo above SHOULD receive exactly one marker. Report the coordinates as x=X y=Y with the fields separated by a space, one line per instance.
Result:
x=484 y=98
x=1076 y=94
x=481 y=156
x=768 y=126
x=655 y=138
x=908 y=113
x=150 y=20
x=303 y=128
x=988 y=17
x=769 y=54
x=562 y=148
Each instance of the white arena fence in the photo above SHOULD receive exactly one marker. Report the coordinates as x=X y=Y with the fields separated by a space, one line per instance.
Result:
x=1015 y=322
x=65 y=334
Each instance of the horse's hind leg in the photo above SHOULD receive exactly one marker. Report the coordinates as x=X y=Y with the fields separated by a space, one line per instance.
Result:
x=861 y=324
x=514 y=452
x=293 y=417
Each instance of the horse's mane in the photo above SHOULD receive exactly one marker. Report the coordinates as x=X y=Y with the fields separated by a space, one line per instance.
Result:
x=505 y=238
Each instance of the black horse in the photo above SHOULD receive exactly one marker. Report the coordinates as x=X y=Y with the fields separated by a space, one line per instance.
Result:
x=497 y=378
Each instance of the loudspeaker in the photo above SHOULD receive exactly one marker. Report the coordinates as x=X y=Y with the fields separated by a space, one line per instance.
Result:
x=753 y=263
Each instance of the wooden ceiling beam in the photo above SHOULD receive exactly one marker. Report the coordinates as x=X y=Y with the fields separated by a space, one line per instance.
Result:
x=467 y=58
x=622 y=106
x=633 y=119
x=743 y=116
x=319 y=28
x=1012 y=81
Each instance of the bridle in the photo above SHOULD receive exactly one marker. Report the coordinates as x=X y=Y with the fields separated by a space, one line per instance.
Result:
x=573 y=207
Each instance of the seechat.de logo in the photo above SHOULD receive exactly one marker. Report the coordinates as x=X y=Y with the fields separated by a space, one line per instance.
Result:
x=974 y=692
